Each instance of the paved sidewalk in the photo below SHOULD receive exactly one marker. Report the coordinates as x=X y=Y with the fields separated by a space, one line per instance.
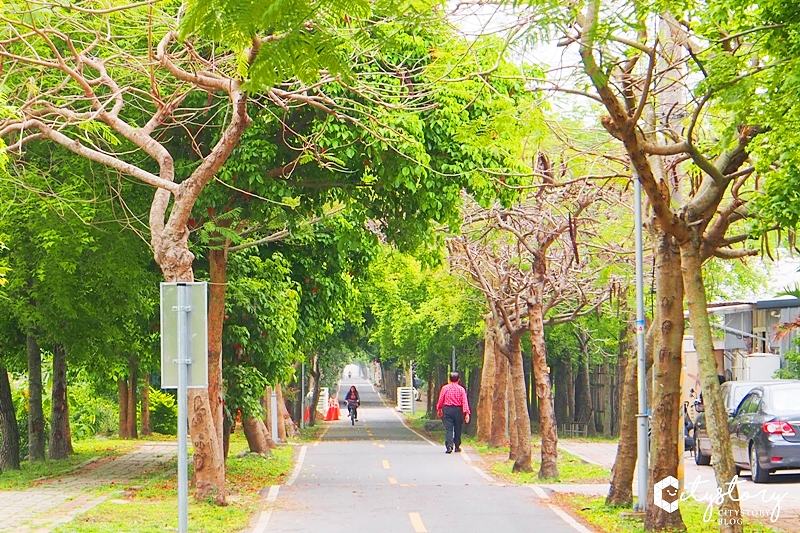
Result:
x=57 y=501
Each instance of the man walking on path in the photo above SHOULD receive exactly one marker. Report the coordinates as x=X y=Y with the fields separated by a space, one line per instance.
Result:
x=452 y=408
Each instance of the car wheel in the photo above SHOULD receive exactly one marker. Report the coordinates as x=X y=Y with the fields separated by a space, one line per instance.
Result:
x=757 y=474
x=700 y=458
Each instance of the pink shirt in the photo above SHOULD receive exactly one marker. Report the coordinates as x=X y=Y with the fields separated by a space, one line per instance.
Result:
x=453 y=395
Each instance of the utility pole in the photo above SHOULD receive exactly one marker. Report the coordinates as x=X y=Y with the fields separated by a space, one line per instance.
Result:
x=641 y=417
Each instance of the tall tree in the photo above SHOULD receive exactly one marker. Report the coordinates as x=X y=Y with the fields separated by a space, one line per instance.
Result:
x=697 y=176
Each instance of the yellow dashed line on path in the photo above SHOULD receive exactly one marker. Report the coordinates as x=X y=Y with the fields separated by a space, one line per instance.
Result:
x=381 y=446
x=392 y=481
x=386 y=464
x=416 y=522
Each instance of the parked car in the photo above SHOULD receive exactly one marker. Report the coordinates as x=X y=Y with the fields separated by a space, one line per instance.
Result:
x=765 y=430
x=732 y=393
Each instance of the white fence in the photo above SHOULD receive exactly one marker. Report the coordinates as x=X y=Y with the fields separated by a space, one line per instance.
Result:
x=405 y=399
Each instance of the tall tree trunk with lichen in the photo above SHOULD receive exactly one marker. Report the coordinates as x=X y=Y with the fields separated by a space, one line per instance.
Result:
x=541 y=377
x=666 y=407
x=36 y=439
x=132 y=403
x=519 y=421
x=620 y=491
x=146 y=431
x=218 y=275
x=497 y=437
x=122 y=396
x=716 y=416
x=60 y=446
x=484 y=407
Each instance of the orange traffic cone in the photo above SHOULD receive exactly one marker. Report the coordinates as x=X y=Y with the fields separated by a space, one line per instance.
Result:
x=307 y=415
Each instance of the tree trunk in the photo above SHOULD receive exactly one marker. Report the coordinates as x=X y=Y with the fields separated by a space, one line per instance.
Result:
x=9 y=431
x=132 y=397
x=60 y=446
x=282 y=414
x=608 y=401
x=544 y=393
x=520 y=420
x=209 y=463
x=621 y=490
x=666 y=407
x=473 y=392
x=513 y=430
x=218 y=274
x=255 y=431
x=561 y=400
x=716 y=416
x=146 y=406
x=570 y=367
x=484 y=407
x=584 y=413
x=316 y=388
x=429 y=397
x=442 y=378
x=226 y=437
x=35 y=410
x=533 y=412
x=497 y=437
x=122 y=392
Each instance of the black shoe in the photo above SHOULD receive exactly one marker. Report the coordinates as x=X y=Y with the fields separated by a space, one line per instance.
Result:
x=449 y=450
x=458 y=449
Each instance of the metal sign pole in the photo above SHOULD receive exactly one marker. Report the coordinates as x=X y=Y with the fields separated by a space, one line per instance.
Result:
x=183 y=360
x=642 y=418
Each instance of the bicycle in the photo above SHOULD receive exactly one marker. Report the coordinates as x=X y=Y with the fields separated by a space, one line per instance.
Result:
x=352 y=411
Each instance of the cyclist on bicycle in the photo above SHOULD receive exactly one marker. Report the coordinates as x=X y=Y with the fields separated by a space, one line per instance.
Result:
x=353 y=400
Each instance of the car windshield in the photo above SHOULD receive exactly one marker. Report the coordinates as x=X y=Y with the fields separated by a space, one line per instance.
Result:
x=784 y=401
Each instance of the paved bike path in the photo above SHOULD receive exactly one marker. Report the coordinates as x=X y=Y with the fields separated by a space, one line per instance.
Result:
x=380 y=476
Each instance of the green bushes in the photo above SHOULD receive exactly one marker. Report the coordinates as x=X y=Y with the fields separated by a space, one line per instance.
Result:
x=163 y=412
x=89 y=413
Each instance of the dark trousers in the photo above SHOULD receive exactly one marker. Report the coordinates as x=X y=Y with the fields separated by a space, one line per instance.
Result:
x=452 y=417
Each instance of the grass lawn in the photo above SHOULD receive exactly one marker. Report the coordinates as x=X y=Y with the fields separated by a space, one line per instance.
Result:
x=610 y=519
x=151 y=504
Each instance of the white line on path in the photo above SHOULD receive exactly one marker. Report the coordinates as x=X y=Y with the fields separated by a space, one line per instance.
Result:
x=569 y=520
x=416 y=522
x=476 y=468
x=539 y=492
x=574 y=524
x=263 y=519
x=297 y=467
